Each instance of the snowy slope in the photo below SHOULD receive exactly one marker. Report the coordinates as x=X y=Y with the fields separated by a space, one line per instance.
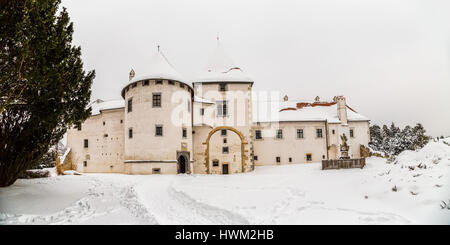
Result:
x=287 y=194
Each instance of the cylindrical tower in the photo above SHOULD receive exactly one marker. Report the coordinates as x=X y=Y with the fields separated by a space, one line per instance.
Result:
x=158 y=121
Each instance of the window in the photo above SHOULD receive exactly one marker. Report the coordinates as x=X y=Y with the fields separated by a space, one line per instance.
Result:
x=319 y=133
x=158 y=130
x=278 y=159
x=104 y=123
x=224 y=140
x=181 y=85
x=171 y=82
x=85 y=163
x=121 y=121
x=290 y=159
x=86 y=143
x=351 y=133
x=323 y=156
x=258 y=135
x=130 y=133
x=156 y=170
x=225 y=150
x=158 y=82
x=215 y=163
x=223 y=132
x=299 y=133
x=202 y=111
x=184 y=133
x=146 y=83
x=105 y=135
x=222 y=110
x=279 y=133
x=255 y=158
x=222 y=87
x=308 y=157
x=189 y=105
x=332 y=131
x=156 y=99
x=134 y=85
x=130 y=105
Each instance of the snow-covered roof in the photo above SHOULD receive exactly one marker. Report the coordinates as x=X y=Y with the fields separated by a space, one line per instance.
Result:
x=202 y=100
x=100 y=105
x=292 y=111
x=220 y=68
x=158 y=68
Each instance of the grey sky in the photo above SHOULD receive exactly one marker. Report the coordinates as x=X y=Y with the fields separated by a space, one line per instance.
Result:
x=391 y=59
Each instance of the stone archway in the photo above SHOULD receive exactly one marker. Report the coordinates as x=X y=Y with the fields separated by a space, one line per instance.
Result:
x=243 y=143
x=183 y=163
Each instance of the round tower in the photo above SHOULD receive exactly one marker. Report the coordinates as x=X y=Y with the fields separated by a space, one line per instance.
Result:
x=158 y=120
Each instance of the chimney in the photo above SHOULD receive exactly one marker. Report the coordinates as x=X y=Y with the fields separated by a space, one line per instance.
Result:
x=341 y=109
x=131 y=75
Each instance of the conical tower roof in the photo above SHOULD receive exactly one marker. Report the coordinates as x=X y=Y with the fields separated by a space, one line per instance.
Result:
x=221 y=68
x=158 y=68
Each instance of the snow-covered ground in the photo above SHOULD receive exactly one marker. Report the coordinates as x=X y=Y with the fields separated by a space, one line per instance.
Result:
x=289 y=194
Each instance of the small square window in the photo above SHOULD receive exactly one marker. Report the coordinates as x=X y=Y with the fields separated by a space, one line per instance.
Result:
x=225 y=150
x=309 y=157
x=222 y=87
x=319 y=133
x=225 y=140
x=299 y=133
x=255 y=158
x=223 y=132
x=258 y=134
x=323 y=156
x=184 y=133
x=85 y=163
x=146 y=83
x=159 y=82
x=105 y=135
x=181 y=85
x=171 y=82
x=278 y=159
x=158 y=130
x=279 y=133
x=215 y=163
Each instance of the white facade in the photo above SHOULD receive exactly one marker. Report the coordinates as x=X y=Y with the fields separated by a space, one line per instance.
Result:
x=165 y=126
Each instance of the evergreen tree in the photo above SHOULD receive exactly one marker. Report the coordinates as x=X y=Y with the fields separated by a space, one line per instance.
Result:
x=43 y=89
x=421 y=138
x=375 y=138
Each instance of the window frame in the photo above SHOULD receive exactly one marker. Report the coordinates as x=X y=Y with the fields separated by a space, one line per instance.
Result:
x=317 y=133
x=130 y=105
x=258 y=132
x=156 y=98
x=279 y=136
x=223 y=105
x=85 y=143
x=130 y=133
x=156 y=130
x=302 y=133
x=225 y=150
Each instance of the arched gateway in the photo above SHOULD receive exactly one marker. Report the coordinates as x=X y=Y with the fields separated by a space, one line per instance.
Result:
x=243 y=143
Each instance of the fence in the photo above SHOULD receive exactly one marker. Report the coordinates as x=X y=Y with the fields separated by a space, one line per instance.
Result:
x=343 y=163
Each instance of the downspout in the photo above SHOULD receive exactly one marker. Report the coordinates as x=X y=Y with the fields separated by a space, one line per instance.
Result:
x=326 y=139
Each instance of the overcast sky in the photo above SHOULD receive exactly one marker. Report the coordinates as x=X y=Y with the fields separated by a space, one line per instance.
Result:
x=391 y=59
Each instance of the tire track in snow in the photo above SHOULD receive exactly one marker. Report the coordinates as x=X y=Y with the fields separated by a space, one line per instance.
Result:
x=171 y=206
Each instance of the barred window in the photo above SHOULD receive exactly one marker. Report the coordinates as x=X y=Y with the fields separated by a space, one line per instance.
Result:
x=319 y=133
x=299 y=133
x=156 y=99
x=279 y=133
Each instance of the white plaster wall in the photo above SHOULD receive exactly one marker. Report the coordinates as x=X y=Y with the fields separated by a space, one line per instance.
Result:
x=104 y=154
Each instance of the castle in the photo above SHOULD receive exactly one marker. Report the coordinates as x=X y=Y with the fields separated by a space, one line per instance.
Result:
x=218 y=125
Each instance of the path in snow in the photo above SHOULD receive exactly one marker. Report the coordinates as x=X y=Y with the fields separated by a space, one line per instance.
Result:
x=171 y=206
x=102 y=202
